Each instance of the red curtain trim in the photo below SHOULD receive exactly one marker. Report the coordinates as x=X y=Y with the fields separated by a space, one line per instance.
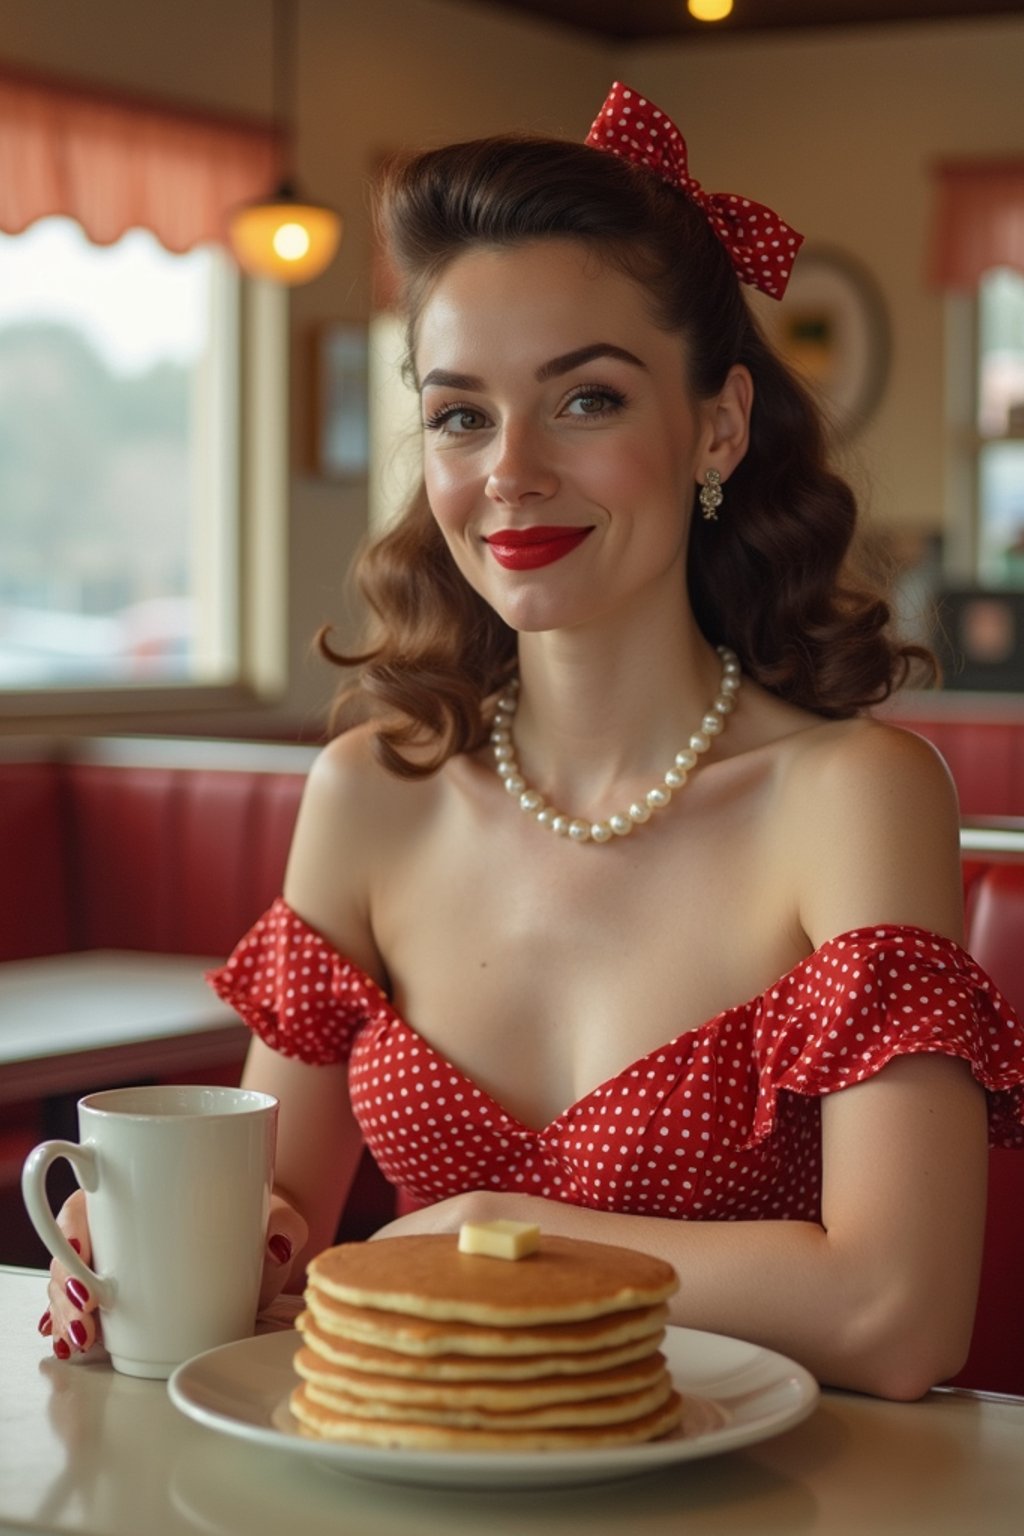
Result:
x=978 y=220
x=114 y=161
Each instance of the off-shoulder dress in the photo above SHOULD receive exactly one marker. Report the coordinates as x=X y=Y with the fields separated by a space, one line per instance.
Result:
x=722 y=1122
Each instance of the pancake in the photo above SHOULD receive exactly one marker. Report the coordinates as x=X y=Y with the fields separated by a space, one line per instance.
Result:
x=602 y=1410
x=422 y=1337
x=565 y=1280
x=493 y=1393
x=329 y=1424
x=471 y=1367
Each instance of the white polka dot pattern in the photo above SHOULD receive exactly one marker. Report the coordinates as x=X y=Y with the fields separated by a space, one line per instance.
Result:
x=761 y=246
x=720 y=1123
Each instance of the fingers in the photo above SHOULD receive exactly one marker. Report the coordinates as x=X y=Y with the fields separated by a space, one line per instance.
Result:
x=287 y=1233
x=70 y=1320
x=68 y=1335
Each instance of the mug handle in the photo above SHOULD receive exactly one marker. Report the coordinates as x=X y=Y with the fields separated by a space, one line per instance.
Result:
x=33 y=1191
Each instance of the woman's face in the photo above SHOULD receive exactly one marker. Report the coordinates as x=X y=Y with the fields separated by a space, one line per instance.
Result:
x=561 y=444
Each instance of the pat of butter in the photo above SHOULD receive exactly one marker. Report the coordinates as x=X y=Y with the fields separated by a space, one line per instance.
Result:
x=499 y=1239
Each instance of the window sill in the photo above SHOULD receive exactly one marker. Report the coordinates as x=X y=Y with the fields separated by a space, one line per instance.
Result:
x=146 y=709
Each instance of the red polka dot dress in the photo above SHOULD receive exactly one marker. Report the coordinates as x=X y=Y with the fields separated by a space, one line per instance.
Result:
x=720 y=1123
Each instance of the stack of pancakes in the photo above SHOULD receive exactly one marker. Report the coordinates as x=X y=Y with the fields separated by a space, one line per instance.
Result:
x=408 y=1342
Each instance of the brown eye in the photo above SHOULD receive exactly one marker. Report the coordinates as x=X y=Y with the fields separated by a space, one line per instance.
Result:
x=456 y=420
x=595 y=402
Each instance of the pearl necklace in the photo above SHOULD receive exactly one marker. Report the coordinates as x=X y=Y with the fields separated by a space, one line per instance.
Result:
x=622 y=823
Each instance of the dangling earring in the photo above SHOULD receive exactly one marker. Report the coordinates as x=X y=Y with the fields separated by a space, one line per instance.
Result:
x=711 y=495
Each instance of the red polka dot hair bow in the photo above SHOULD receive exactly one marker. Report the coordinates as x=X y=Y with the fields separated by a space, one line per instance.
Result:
x=761 y=247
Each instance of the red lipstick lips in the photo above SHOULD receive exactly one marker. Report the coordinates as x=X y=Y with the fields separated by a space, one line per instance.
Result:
x=527 y=549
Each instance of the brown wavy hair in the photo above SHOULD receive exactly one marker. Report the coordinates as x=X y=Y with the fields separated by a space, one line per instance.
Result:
x=773 y=578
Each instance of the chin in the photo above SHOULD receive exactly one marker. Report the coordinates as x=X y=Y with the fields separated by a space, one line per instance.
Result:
x=531 y=618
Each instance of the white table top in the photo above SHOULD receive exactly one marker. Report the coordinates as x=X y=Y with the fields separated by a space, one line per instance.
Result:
x=85 y=1450
x=82 y=1020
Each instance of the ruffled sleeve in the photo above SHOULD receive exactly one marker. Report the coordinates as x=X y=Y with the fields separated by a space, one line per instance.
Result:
x=873 y=994
x=295 y=991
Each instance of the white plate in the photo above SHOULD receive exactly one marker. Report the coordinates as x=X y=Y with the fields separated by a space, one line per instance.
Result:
x=736 y=1394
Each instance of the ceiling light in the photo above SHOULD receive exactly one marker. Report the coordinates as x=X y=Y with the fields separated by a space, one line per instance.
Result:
x=285 y=237
x=709 y=10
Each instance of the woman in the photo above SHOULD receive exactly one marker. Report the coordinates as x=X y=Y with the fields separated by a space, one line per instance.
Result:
x=604 y=779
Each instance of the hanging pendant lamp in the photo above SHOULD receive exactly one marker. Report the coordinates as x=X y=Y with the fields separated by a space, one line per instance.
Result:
x=285 y=237
x=709 y=10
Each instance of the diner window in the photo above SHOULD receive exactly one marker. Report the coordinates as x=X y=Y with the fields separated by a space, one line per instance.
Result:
x=143 y=408
x=118 y=482
x=999 y=469
x=977 y=258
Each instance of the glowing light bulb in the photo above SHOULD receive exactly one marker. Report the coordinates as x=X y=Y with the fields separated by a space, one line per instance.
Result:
x=291 y=242
x=285 y=239
x=709 y=10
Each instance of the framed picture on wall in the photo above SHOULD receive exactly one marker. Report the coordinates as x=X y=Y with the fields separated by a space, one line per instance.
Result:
x=979 y=639
x=341 y=425
x=832 y=327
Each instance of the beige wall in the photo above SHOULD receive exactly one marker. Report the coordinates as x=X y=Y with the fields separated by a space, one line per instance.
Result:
x=837 y=129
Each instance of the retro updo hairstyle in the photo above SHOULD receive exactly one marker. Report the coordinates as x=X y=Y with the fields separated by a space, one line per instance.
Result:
x=769 y=578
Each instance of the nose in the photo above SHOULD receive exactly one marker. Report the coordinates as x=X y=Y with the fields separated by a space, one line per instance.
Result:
x=521 y=469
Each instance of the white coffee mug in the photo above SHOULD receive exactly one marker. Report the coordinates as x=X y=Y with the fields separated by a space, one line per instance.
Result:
x=177 y=1185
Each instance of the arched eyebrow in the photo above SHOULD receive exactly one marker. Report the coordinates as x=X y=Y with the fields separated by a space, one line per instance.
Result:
x=583 y=355
x=550 y=370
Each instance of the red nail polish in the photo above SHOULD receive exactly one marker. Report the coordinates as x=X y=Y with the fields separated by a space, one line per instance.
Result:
x=280 y=1247
x=76 y=1292
x=62 y=1349
x=46 y=1324
x=75 y=1244
x=77 y=1334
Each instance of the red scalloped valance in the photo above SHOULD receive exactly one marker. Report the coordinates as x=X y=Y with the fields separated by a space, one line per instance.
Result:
x=114 y=162
x=979 y=220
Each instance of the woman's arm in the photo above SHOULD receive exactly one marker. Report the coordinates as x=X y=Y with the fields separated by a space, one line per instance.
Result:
x=318 y=1150
x=880 y=1297
x=326 y=883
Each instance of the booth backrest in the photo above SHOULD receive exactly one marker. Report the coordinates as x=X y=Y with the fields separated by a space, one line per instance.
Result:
x=169 y=846
x=997 y=927
x=996 y=1362
x=34 y=910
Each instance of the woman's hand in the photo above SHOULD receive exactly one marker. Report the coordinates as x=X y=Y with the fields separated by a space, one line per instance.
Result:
x=72 y=1321
x=477 y=1205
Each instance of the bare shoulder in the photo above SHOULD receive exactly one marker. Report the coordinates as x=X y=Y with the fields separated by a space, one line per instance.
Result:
x=872 y=817
x=867 y=759
x=349 y=780
x=352 y=811
x=346 y=770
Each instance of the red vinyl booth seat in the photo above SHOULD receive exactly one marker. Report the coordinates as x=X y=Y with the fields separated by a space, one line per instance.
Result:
x=33 y=864
x=114 y=849
x=996 y=1362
